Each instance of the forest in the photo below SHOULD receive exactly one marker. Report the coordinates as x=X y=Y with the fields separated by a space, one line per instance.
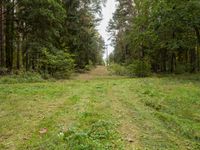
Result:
x=99 y=74
x=58 y=37
x=49 y=36
x=160 y=35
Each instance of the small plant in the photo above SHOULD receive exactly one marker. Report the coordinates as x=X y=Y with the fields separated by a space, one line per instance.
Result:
x=99 y=135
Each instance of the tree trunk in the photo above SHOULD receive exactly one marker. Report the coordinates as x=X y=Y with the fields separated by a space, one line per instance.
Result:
x=193 y=60
x=164 y=60
x=9 y=35
x=18 y=53
x=12 y=32
x=1 y=36
x=173 y=62
x=197 y=34
x=198 y=59
x=27 y=60
x=198 y=45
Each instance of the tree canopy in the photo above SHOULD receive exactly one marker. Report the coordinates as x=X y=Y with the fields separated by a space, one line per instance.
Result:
x=49 y=36
x=163 y=32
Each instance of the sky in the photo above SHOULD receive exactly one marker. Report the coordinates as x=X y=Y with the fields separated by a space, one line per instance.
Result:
x=107 y=12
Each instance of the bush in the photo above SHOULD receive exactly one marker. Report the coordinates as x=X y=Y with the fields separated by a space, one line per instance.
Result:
x=131 y=70
x=60 y=64
x=89 y=66
x=116 y=69
x=139 y=68
x=3 y=71
x=182 y=68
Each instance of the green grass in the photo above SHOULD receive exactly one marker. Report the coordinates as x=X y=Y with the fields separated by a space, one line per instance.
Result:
x=29 y=77
x=103 y=113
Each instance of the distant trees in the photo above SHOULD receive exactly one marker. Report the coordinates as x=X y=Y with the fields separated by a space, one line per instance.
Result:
x=119 y=26
x=49 y=36
x=83 y=39
x=164 y=33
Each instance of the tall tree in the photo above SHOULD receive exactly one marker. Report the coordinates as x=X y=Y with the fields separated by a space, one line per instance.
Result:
x=49 y=36
x=164 y=32
x=81 y=21
x=1 y=35
x=9 y=33
x=119 y=26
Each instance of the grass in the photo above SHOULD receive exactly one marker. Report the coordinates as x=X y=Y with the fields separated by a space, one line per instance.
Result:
x=102 y=113
x=29 y=77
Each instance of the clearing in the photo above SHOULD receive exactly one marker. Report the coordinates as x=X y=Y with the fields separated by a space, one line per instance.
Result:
x=98 y=111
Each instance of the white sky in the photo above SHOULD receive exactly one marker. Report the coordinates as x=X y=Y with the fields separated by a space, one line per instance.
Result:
x=107 y=15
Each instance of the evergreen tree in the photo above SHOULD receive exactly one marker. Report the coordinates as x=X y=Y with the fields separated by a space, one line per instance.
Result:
x=49 y=36
x=166 y=33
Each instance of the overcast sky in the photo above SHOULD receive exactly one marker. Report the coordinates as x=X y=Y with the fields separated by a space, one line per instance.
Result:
x=107 y=15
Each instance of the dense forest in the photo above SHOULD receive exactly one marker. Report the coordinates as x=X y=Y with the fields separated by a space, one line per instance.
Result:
x=49 y=36
x=163 y=35
x=56 y=37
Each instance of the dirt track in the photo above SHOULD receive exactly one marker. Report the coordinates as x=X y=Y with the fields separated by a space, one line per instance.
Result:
x=98 y=72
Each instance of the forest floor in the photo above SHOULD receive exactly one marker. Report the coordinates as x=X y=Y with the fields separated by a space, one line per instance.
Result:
x=98 y=111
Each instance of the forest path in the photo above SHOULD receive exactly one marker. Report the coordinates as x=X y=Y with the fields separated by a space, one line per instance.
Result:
x=126 y=128
x=98 y=72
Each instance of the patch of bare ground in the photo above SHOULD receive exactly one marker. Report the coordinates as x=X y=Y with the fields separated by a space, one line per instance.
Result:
x=126 y=128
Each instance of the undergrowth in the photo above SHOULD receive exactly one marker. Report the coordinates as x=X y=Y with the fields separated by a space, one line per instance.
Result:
x=28 y=77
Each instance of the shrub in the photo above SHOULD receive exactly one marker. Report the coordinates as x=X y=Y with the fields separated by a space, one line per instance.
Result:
x=59 y=64
x=131 y=70
x=182 y=68
x=116 y=69
x=139 y=68
x=3 y=71
x=89 y=66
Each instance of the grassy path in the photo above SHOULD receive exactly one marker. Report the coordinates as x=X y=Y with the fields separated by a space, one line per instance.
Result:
x=97 y=111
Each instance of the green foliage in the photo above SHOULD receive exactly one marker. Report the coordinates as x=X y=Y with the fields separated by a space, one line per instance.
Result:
x=117 y=69
x=32 y=27
x=139 y=68
x=89 y=66
x=167 y=32
x=83 y=40
x=59 y=64
x=181 y=68
x=3 y=71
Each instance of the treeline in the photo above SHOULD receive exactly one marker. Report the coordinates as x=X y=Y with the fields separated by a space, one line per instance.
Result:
x=162 y=33
x=49 y=36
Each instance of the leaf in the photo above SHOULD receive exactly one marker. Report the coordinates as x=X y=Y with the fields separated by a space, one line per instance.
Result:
x=130 y=140
x=43 y=130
